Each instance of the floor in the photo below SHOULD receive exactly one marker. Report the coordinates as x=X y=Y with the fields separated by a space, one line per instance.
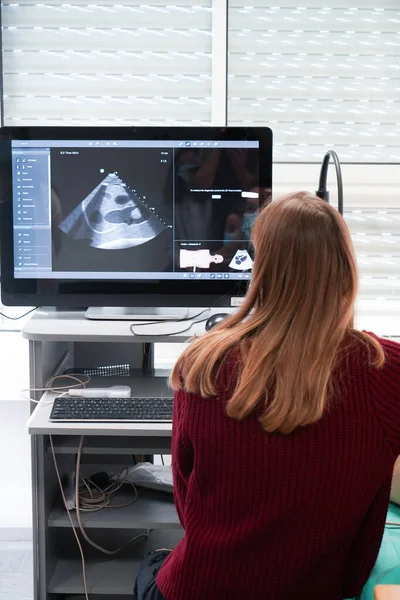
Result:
x=16 y=571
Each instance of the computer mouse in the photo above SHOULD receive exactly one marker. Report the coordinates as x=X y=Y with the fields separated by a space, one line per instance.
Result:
x=215 y=319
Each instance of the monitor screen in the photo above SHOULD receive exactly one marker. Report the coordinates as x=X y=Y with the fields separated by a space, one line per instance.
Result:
x=131 y=207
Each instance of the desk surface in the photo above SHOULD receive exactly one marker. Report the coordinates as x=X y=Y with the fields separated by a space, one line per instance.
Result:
x=383 y=318
x=39 y=421
x=52 y=325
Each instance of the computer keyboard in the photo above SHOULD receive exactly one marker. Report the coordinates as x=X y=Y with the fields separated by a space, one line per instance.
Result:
x=147 y=410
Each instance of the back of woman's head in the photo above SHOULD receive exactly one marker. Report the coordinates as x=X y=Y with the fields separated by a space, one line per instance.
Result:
x=304 y=272
x=292 y=325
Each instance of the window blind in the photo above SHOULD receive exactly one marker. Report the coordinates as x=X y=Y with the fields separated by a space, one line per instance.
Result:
x=376 y=238
x=372 y=213
x=107 y=62
x=322 y=75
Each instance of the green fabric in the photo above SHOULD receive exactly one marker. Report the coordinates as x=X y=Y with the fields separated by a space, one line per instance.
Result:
x=387 y=567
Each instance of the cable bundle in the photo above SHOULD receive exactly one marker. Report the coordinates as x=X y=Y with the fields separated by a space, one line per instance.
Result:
x=94 y=497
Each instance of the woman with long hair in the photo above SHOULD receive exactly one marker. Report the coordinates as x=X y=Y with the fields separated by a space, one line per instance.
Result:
x=286 y=429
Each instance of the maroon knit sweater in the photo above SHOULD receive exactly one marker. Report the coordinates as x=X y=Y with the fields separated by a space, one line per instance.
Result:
x=284 y=517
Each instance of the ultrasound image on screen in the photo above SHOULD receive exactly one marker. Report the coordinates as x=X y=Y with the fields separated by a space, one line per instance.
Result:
x=112 y=213
x=113 y=217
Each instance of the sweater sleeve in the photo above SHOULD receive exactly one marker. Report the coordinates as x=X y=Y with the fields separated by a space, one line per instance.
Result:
x=182 y=454
x=384 y=387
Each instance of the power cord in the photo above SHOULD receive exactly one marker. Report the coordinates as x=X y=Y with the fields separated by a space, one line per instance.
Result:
x=85 y=587
x=50 y=387
x=193 y=320
x=93 y=498
x=185 y=318
x=182 y=320
x=115 y=487
x=20 y=317
x=146 y=356
x=87 y=500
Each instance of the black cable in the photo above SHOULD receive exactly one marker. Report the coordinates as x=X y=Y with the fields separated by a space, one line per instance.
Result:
x=187 y=318
x=322 y=191
x=173 y=332
x=20 y=317
x=183 y=320
x=146 y=355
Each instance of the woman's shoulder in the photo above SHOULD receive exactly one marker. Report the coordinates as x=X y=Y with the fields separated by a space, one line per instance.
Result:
x=368 y=355
x=390 y=348
x=370 y=348
x=384 y=390
x=379 y=358
x=225 y=374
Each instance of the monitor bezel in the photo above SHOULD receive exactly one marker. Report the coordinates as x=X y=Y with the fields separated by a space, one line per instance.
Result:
x=63 y=293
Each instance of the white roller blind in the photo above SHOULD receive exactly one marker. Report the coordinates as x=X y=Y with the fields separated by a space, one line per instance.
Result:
x=324 y=74
x=372 y=213
x=107 y=62
x=376 y=238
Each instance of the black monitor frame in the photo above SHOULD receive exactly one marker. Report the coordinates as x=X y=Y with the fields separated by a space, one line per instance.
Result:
x=130 y=293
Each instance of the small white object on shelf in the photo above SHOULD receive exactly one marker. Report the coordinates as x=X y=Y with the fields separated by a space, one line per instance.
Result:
x=115 y=391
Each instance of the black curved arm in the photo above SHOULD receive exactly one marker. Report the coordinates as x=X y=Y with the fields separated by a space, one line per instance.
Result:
x=322 y=191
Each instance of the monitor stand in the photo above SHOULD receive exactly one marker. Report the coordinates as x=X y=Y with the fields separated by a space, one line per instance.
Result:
x=136 y=313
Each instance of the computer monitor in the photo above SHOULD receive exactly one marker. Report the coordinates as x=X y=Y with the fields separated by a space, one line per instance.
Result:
x=130 y=217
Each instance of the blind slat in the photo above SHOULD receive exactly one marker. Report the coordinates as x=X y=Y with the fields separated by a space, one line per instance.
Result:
x=88 y=62
x=110 y=40
x=340 y=66
x=299 y=87
x=60 y=15
x=96 y=85
x=156 y=6
x=345 y=21
x=334 y=4
x=328 y=110
x=134 y=108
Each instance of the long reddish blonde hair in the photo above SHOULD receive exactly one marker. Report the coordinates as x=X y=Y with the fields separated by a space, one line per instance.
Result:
x=291 y=328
